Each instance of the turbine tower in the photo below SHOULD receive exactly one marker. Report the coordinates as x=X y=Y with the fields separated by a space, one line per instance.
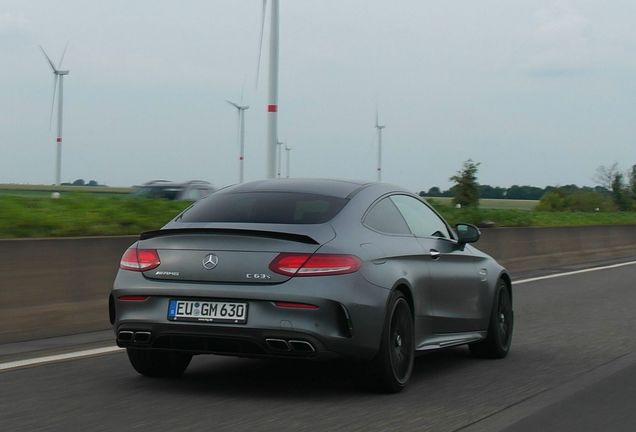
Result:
x=288 y=155
x=58 y=80
x=272 y=97
x=241 y=135
x=379 y=127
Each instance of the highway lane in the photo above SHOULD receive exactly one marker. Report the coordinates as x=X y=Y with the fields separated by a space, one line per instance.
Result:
x=567 y=329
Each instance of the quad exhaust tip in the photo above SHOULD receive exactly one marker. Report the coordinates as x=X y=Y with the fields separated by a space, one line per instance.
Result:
x=126 y=336
x=278 y=344
x=301 y=346
x=140 y=337
x=290 y=345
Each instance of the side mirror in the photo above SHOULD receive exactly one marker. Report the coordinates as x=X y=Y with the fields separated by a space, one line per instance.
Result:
x=467 y=233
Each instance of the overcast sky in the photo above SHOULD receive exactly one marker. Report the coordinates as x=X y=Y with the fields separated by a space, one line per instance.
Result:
x=539 y=91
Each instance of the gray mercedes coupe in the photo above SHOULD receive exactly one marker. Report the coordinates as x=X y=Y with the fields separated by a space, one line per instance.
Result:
x=312 y=269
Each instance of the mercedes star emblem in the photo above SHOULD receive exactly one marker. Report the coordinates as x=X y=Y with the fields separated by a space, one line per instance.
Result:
x=210 y=261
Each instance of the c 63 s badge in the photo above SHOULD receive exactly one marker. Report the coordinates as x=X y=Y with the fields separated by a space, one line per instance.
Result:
x=261 y=276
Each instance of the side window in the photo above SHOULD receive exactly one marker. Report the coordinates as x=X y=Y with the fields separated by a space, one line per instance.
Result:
x=386 y=218
x=421 y=219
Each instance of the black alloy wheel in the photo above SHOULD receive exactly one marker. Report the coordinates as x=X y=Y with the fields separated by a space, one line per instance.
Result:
x=499 y=338
x=391 y=369
x=401 y=350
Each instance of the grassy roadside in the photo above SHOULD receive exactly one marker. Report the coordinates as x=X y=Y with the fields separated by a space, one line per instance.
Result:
x=524 y=218
x=81 y=214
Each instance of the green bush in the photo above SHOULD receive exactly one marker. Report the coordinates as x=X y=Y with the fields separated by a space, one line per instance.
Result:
x=557 y=200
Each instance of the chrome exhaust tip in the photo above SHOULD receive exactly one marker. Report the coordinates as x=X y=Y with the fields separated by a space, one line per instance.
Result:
x=142 y=337
x=277 y=344
x=125 y=336
x=301 y=346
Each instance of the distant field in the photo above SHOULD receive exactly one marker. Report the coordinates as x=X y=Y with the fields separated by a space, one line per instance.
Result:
x=494 y=203
x=24 y=190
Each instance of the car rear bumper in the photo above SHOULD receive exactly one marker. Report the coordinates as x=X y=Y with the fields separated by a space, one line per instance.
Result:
x=347 y=323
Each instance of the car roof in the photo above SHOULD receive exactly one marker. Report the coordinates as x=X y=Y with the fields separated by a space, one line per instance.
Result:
x=327 y=187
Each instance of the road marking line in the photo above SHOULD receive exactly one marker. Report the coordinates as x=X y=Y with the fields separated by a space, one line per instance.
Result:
x=58 y=357
x=570 y=273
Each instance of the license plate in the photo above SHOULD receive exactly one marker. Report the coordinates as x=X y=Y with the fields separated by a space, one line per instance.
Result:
x=207 y=311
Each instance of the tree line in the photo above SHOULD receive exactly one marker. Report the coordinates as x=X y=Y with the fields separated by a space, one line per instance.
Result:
x=615 y=190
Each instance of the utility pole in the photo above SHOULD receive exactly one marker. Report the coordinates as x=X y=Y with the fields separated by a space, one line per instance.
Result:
x=379 y=127
x=279 y=159
x=288 y=154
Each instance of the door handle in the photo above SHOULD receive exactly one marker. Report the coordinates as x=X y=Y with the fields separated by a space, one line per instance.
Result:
x=435 y=254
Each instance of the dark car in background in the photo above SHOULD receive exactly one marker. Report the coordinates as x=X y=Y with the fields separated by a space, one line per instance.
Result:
x=310 y=269
x=192 y=190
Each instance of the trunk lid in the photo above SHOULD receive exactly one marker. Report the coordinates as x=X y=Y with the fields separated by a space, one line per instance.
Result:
x=222 y=253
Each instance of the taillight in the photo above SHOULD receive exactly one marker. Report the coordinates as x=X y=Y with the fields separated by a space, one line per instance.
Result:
x=139 y=259
x=291 y=264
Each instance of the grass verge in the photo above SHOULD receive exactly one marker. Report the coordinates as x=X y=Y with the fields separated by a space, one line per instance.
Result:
x=81 y=214
x=524 y=218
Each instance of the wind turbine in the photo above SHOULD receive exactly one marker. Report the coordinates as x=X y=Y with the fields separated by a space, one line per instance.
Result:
x=379 y=127
x=241 y=134
x=58 y=79
x=272 y=97
x=288 y=154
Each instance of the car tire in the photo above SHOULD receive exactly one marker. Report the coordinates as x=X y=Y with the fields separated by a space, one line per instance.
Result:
x=501 y=324
x=158 y=364
x=391 y=369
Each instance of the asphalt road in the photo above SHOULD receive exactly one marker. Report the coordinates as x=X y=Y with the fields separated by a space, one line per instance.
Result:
x=572 y=367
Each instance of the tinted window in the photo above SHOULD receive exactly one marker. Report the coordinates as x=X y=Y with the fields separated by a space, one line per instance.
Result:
x=386 y=218
x=422 y=220
x=265 y=207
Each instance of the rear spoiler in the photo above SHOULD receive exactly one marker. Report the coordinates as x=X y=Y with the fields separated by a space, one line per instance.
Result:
x=300 y=238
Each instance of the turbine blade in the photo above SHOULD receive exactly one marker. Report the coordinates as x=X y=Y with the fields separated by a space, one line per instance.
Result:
x=260 y=42
x=55 y=78
x=59 y=65
x=48 y=59
x=232 y=103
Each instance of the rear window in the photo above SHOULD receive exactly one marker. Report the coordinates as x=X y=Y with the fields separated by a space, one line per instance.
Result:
x=265 y=207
